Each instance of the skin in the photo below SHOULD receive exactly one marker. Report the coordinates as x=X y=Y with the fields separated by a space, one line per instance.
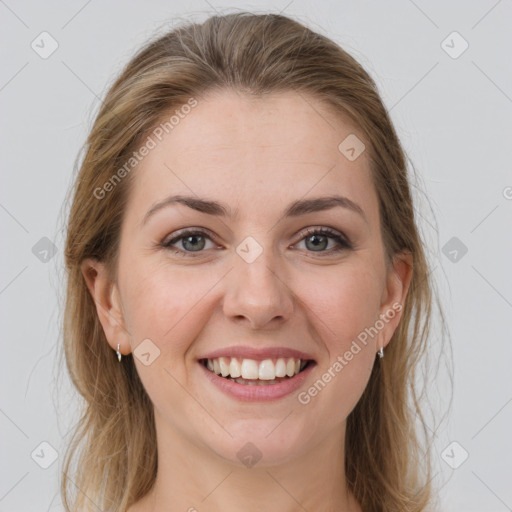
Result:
x=256 y=155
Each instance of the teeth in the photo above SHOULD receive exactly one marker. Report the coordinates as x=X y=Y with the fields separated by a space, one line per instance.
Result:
x=234 y=368
x=280 y=368
x=250 y=369
x=290 y=367
x=267 y=370
x=224 y=366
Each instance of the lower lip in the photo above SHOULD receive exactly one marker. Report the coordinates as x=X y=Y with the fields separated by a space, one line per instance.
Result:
x=258 y=393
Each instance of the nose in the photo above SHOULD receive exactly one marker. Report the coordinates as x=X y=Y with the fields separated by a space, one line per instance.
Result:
x=258 y=293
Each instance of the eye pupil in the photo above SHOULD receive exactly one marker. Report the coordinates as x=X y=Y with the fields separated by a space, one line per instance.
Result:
x=317 y=244
x=189 y=239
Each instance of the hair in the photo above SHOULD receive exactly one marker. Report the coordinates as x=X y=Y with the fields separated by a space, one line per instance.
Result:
x=114 y=443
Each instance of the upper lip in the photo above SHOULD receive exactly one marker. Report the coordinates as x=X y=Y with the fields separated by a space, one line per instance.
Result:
x=257 y=353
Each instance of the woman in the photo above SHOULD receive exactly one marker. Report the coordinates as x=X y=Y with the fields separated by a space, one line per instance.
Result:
x=241 y=254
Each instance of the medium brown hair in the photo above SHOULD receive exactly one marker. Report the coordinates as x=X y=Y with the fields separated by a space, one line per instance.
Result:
x=114 y=443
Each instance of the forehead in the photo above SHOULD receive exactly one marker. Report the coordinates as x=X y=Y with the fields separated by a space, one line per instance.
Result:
x=255 y=151
x=228 y=122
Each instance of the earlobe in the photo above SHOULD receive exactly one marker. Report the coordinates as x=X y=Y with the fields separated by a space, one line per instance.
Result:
x=108 y=306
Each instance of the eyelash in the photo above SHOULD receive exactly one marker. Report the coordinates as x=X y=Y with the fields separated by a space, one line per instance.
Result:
x=343 y=242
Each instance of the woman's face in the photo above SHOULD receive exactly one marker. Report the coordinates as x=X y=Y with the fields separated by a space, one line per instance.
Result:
x=256 y=285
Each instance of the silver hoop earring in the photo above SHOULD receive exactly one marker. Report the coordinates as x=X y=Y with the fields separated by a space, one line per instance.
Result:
x=119 y=355
x=381 y=352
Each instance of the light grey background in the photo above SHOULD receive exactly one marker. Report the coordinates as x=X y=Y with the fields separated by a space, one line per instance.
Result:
x=452 y=114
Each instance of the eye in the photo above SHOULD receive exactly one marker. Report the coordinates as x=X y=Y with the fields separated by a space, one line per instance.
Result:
x=190 y=241
x=316 y=240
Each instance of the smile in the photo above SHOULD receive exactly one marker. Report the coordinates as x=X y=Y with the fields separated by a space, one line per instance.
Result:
x=253 y=372
x=256 y=380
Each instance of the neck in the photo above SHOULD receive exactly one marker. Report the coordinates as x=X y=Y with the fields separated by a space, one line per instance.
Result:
x=193 y=478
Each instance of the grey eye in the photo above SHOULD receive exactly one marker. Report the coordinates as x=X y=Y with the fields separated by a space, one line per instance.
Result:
x=317 y=242
x=190 y=243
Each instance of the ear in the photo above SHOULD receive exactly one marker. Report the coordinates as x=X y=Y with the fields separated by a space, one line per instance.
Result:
x=394 y=295
x=106 y=296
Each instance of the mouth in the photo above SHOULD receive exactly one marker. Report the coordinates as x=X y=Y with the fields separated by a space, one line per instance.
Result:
x=254 y=372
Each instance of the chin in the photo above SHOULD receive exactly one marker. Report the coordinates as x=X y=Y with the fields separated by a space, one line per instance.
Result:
x=263 y=442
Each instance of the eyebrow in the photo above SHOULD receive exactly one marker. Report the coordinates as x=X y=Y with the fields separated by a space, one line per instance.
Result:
x=295 y=209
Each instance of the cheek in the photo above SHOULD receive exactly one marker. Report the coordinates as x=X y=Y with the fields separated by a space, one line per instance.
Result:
x=342 y=305
x=344 y=301
x=163 y=303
